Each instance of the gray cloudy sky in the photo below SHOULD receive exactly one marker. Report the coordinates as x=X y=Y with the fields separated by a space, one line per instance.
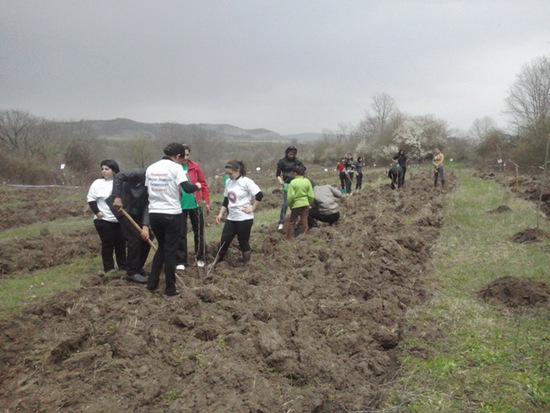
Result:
x=290 y=66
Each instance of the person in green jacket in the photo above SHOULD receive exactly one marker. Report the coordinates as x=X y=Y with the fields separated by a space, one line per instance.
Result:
x=299 y=198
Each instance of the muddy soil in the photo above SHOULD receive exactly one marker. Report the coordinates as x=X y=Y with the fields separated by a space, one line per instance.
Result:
x=517 y=292
x=48 y=250
x=311 y=325
x=530 y=235
x=25 y=206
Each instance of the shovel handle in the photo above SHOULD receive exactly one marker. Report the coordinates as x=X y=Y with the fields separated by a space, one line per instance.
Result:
x=136 y=226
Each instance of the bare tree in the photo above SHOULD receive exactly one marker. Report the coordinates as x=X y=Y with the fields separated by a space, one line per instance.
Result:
x=383 y=106
x=482 y=127
x=528 y=102
x=16 y=131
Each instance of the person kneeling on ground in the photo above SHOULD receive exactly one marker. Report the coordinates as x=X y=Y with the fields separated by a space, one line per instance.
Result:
x=300 y=196
x=238 y=194
x=325 y=206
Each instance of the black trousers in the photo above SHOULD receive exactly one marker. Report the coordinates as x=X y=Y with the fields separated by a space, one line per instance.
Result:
x=138 y=249
x=241 y=229
x=167 y=230
x=359 y=180
x=112 y=240
x=197 y=222
x=343 y=178
x=315 y=215
x=401 y=178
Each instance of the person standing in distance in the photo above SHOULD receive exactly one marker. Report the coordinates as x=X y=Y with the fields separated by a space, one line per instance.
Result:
x=438 y=167
x=359 y=170
x=401 y=159
x=284 y=175
x=192 y=206
x=349 y=168
x=164 y=180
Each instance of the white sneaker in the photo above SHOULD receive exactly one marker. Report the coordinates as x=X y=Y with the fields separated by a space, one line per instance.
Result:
x=280 y=227
x=201 y=263
x=180 y=267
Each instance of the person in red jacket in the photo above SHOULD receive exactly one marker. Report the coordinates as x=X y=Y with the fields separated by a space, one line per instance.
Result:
x=341 y=168
x=192 y=207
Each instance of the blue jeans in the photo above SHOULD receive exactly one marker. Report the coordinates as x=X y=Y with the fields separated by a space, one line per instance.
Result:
x=439 y=172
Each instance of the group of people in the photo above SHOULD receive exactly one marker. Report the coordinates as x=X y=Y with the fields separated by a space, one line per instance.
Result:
x=130 y=207
x=308 y=202
x=348 y=168
x=397 y=171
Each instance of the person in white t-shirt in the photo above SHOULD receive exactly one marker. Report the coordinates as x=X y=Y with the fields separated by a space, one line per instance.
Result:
x=105 y=222
x=163 y=180
x=241 y=198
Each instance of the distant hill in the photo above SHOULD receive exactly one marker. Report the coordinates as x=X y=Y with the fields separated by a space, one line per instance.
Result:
x=308 y=137
x=126 y=129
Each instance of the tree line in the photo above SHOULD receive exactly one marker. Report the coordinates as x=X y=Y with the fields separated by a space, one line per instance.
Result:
x=384 y=129
x=33 y=149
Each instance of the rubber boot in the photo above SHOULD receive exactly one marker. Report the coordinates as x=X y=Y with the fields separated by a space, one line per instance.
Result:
x=246 y=257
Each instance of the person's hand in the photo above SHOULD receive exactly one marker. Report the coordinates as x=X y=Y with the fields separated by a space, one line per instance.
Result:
x=100 y=215
x=219 y=219
x=145 y=233
x=207 y=208
x=248 y=209
x=199 y=185
x=117 y=203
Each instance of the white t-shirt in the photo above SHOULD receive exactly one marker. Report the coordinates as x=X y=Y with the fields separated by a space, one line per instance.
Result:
x=163 y=179
x=240 y=192
x=99 y=191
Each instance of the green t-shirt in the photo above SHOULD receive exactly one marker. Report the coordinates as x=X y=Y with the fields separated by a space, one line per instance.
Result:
x=187 y=201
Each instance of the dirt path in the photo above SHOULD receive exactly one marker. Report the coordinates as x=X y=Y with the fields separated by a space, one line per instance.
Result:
x=313 y=325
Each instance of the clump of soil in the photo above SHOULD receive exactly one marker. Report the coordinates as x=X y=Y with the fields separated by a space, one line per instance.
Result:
x=516 y=292
x=500 y=209
x=529 y=235
x=484 y=175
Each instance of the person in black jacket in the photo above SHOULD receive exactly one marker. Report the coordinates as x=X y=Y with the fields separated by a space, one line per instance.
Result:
x=402 y=161
x=130 y=193
x=284 y=175
x=394 y=174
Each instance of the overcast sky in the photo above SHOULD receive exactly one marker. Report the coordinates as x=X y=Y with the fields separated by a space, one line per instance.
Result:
x=290 y=66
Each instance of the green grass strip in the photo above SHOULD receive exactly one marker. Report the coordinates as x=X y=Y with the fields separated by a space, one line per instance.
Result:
x=22 y=289
x=477 y=357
